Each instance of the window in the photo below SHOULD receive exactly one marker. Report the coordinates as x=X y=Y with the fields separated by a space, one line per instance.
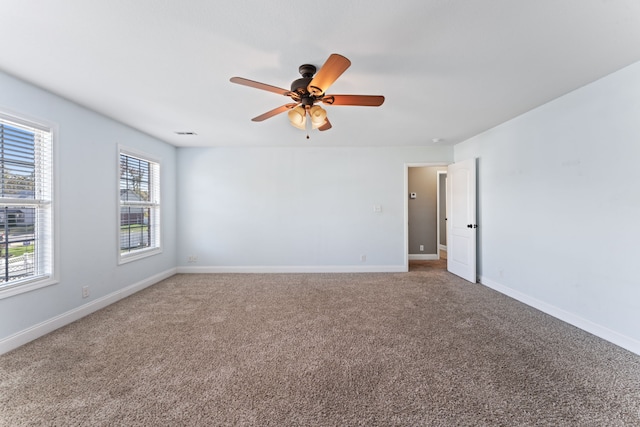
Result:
x=139 y=216
x=26 y=205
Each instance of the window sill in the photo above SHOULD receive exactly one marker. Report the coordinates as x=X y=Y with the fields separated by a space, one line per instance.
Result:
x=124 y=259
x=20 y=288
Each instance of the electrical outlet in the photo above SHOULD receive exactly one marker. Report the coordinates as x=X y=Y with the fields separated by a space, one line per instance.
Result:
x=85 y=292
x=363 y=258
x=421 y=248
x=192 y=259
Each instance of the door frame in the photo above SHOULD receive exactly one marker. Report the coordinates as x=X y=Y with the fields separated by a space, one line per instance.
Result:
x=439 y=196
x=405 y=196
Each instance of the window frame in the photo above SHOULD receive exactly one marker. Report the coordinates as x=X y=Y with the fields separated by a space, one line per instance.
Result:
x=51 y=223
x=154 y=204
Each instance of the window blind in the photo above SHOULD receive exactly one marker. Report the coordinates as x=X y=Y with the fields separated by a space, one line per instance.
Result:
x=26 y=199
x=139 y=205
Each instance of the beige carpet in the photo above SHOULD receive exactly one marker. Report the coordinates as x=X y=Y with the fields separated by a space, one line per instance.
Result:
x=419 y=348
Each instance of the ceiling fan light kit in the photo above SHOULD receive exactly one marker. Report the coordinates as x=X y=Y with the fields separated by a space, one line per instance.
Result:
x=297 y=117
x=308 y=90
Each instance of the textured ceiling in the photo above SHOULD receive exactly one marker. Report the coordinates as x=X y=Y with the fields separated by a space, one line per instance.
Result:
x=449 y=69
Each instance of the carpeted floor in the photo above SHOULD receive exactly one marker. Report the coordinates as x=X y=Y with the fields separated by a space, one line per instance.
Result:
x=417 y=348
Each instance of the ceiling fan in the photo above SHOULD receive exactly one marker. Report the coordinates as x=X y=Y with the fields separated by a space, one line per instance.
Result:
x=309 y=90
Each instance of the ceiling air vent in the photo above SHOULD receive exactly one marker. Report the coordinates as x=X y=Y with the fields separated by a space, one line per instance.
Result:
x=185 y=133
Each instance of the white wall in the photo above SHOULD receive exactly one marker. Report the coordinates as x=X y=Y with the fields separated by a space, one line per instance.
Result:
x=87 y=184
x=559 y=207
x=295 y=209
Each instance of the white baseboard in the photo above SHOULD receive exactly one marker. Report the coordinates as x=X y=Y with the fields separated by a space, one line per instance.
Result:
x=294 y=269
x=423 y=257
x=603 y=332
x=20 y=338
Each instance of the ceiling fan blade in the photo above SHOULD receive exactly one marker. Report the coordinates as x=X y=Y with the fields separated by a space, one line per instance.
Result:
x=361 y=100
x=274 y=112
x=326 y=125
x=330 y=71
x=258 y=85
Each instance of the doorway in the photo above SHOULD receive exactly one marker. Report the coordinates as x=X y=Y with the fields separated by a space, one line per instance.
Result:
x=425 y=213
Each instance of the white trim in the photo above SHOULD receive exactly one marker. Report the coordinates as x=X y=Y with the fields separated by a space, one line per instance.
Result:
x=423 y=257
x=20 y=338
x=134 y=256
x=132 y=152
x=442 y=247
x=438 y=208
x=147 y=252
x=25 y=119
x=603 y=332
x=26 y=286
x=294 y=269
x=44 y=125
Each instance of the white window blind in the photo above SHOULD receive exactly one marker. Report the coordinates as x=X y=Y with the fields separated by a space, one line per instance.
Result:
x=26 y=202
x=139 y=196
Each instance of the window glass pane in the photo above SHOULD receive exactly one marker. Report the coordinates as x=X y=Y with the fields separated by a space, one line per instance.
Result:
x=134 y=179
x=17 y=242
x=139 y=207
x=135 y=232
x=17 y=162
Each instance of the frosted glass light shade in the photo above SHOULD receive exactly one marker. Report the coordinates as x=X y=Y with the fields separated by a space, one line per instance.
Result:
x=297 y=117
x=318 y=116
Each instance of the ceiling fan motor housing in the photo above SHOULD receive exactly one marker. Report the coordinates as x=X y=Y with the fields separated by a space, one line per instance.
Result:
x=299 y=86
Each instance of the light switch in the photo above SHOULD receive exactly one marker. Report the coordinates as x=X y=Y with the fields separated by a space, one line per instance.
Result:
x=377 y=208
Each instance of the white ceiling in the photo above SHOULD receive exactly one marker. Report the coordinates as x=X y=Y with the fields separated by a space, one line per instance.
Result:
x=449 y=69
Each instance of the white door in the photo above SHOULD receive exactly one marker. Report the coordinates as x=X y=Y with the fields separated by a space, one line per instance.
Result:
x=461 y=219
